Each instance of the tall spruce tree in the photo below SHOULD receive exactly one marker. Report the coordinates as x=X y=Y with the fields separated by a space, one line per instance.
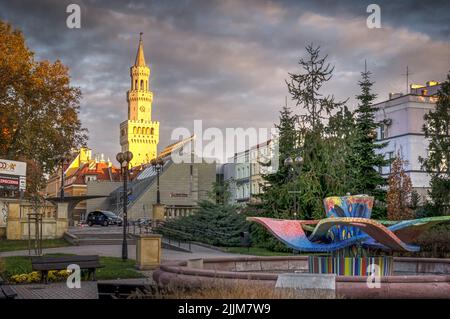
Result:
x=365 y=161
x=319 y=175
x=437 y=164
x=305 y=87
x=276 y=200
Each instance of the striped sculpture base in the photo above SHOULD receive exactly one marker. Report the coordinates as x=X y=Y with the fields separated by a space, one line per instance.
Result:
x=350 y=266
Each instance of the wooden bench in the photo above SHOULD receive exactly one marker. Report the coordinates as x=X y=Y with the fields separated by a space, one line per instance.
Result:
x=6 y=292
x=46 y=264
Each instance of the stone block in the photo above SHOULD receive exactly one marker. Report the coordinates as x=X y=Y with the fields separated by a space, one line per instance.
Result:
x=309 y=285
x=195 y=263
x=148 y=251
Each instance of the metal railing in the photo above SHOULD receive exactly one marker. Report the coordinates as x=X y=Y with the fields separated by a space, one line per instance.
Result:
x=148 y=227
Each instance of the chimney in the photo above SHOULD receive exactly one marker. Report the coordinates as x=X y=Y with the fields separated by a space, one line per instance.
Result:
x=394 y=95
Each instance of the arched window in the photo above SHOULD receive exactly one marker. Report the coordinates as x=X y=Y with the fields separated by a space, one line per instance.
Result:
x=152 y=131
x=139 y=130
x=135 y=85
x=142 y=84
x=147 y=131
x=134 y=130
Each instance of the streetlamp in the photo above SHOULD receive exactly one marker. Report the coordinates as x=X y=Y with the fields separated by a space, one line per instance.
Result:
x=157 y=164
x=64 y=160
x=124 y=159
x=293 y=163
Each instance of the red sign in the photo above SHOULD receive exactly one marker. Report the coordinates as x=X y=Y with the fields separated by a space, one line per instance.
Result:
x=9 y=182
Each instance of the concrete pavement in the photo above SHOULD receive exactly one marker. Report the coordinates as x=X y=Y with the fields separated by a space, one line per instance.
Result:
x=116 y=251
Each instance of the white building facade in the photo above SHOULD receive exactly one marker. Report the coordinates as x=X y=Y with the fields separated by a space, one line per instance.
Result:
x=401 y=121
x=245 y=170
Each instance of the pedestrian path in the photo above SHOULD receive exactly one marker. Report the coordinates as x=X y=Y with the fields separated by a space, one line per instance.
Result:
x=58 y=290
x=116 y=251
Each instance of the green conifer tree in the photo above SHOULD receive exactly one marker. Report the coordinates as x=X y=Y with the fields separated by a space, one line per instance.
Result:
x=366 y=177
x=437 y=164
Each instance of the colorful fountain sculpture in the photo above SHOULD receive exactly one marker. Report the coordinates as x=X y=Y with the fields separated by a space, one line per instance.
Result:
x=348 y=235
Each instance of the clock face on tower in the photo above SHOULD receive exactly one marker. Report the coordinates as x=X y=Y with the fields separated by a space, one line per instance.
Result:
x=142 y=109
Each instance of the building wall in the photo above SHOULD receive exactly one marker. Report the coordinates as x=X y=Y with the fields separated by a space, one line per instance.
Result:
x=178 y=186
x=103 y=188
x=405 y=135
x=246 y=181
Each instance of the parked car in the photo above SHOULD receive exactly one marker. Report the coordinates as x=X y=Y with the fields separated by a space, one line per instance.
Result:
x=103 y=218
x=143 y=221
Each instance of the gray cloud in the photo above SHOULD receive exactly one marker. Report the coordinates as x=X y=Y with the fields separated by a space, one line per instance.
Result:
x=225 y=62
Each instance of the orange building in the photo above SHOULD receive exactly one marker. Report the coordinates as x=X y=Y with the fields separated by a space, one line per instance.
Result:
x=81 y=169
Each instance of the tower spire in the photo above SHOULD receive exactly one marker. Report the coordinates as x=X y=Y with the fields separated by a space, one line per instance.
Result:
x=140 y=58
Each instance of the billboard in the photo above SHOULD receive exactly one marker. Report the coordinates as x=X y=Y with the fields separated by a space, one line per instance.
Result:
x=12 y=175
x=13 y=168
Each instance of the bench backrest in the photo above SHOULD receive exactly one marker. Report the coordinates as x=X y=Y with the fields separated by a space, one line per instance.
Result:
x=60 y=263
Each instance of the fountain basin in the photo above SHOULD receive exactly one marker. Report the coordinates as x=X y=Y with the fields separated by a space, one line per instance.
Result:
x=413 y=277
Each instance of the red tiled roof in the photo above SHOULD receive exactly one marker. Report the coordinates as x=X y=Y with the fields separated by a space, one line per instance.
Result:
x=101 y=170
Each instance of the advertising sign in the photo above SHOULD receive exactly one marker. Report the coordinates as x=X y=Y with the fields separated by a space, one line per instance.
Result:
x=9 y=182
x=13 y=168
x=12 y=175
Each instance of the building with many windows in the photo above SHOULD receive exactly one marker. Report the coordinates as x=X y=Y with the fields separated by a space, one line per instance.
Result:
x=401 y=120
x=245 y=171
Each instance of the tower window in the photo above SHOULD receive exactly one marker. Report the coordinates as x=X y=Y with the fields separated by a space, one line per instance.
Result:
x=142 y=84
x=152 y=131
x=135 y=85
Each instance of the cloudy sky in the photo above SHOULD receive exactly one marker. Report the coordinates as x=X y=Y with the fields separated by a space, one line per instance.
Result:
x=225 y=62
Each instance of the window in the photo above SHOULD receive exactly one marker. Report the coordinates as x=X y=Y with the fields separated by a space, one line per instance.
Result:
x=142 y=84
x=89 y=178
x=382 y=132
x=391 y=157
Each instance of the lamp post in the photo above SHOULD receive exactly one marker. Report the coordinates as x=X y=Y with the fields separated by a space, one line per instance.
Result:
x=157 y=164
x=124 y=159
x=63 y=160
x=293 y=164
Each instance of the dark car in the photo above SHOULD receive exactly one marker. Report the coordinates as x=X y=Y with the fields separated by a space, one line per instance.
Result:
x=103 y=218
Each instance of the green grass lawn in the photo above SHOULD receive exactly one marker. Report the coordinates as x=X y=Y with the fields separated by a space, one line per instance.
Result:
x=11 y=245
x=257 y=251
x=115 y=268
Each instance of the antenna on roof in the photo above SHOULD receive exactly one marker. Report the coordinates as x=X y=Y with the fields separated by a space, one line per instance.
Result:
x=407 y=74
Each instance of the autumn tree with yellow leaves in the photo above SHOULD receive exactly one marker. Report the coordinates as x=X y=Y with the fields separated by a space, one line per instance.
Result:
x=38 y=108
x=400 y=191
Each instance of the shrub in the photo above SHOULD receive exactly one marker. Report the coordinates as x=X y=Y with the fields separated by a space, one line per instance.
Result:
x=213 y=224
x=436 y=241
x=33 y=277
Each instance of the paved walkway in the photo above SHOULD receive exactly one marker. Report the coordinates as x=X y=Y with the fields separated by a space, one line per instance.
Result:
x=58 y=290
x=116 y=251
x=89 y=289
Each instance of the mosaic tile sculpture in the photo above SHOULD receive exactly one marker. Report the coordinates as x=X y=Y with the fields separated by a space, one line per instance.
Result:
x=348 y=224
